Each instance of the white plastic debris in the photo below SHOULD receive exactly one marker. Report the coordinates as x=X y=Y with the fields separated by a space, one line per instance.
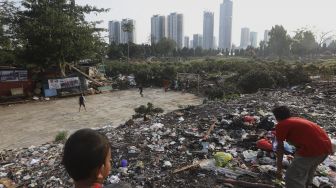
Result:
x=180 y=119
x=167 y=164
x=34 y=161
x=114 y=179
x=156 y=126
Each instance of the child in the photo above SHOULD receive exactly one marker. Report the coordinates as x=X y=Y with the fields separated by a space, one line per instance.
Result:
x=82 y=102
x=86 y=158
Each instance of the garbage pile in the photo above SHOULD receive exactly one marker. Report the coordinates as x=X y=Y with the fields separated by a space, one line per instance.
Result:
x=215 y=144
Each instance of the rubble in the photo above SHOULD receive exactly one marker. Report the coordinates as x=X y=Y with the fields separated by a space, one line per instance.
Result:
x=179 y=149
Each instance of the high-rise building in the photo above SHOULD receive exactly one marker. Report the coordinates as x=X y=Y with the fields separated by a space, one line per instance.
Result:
x=158 y=28
x=254 y=39
x=208 y=30
x=225 y=24
x=114 y=32
x=126 y=37
x=266 y=36
x=191 y=43
x=175 y=28
x=215 y=46
x=245 y=38
x=197 y=40
x=186 y=42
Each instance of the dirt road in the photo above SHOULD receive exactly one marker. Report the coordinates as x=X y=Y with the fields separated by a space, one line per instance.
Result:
x=23 y=125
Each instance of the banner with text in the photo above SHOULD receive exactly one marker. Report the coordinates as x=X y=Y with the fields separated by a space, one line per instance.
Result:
x=64 y=83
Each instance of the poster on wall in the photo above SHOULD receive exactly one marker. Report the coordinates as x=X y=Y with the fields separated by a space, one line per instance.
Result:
x=64 y=83
x=13 y=75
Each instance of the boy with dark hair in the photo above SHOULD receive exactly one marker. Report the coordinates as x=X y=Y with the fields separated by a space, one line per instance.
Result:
x=312 y=143
x=86 y=158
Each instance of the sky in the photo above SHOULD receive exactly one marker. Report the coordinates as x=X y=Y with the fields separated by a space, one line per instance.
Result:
x=258 y=15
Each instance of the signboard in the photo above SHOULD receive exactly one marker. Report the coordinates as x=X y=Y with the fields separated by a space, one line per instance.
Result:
x=64 y=83
x=13 y=75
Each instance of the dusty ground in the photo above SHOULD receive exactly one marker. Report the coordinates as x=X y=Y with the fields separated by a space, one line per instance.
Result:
x=23 y=125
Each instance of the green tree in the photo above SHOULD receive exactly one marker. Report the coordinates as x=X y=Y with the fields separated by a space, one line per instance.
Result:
x=8 y=12
x=254 y=80
x=128 y=27
x=280 y=41
x=304 y=42
x=55 y=32
x=165 y=47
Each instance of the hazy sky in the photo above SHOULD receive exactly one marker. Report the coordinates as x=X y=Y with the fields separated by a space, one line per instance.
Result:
x=258 y=15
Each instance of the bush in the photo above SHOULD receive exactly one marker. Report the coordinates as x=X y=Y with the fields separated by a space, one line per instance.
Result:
x=61 y=136
x=254 y=80
x=143 y=111
x=214 y=93
x=297 y=76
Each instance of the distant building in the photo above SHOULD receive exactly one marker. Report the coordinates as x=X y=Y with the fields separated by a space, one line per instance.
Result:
x=254 y=39
x=175 y=28
x=126 y=37
x=114 y=32
x=208 y=30
x=225 y=24
x=197 y=40
x=245 y=38
x=215 y=46
x=191 y=43
x=266 y=36
x=158 y=28
x=186 y=42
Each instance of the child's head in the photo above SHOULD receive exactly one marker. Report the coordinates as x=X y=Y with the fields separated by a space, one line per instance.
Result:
x=87 y=156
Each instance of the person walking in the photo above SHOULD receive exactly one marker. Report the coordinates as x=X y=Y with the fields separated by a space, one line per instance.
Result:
x=82 y=102
x=312 y=143
x=141 y=90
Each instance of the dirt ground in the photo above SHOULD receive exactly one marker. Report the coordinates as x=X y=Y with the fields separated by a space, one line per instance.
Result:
x=23 y=125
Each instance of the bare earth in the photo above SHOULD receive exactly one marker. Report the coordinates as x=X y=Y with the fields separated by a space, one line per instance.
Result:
x=23 y=125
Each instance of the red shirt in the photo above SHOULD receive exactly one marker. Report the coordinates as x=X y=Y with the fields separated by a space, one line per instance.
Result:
x=309 y=138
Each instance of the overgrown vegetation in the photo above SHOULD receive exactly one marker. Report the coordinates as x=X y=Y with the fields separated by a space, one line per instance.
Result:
x=61 y=136
x=144 y=111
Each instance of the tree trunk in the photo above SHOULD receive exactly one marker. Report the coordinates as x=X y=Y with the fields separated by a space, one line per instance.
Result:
x=62 y=68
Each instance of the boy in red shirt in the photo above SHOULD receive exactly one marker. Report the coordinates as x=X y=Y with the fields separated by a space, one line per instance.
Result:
x=312 y=143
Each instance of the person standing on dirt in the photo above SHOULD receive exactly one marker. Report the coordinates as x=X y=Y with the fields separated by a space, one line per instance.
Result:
x=141 y=90
x=312 y=143
x=82 y=102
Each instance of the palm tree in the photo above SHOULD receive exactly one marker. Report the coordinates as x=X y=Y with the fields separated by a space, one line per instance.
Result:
x=128 y=27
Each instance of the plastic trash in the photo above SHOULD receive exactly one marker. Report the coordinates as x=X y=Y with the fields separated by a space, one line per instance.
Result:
x=124 y=163
x=250 y=155
x=222 y=158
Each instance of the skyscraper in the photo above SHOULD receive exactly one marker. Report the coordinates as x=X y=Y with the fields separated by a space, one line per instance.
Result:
x=186 y=42
x=208 y=30
x=126 y=37
x=254 y=39
x=225 y=24
x=114 y=32
x=175 y=28
x=158 y=28
x=266 y=36
x=197 y=40
x=245 y=38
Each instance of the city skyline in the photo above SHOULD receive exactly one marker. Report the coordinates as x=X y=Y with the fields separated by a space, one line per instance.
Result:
x=260 y=15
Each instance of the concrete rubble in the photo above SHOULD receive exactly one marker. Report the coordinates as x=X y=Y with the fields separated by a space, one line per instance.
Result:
x=178 y=149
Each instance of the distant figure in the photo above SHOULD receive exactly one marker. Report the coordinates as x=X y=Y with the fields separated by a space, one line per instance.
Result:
x=141 y=90
x=82 y=102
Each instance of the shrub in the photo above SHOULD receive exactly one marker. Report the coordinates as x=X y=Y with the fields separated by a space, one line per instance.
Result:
x=297 y=75
x=254 y=80
x=61 y=136
x=214 y=93
x=143 y=111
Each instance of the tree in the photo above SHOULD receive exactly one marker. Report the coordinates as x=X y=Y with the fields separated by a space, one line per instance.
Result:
x=55 y=32
x=304 y=42
x=128 y=27
x=165 y=47
x=280 y=41
x=143 y=111
x=7 y=24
